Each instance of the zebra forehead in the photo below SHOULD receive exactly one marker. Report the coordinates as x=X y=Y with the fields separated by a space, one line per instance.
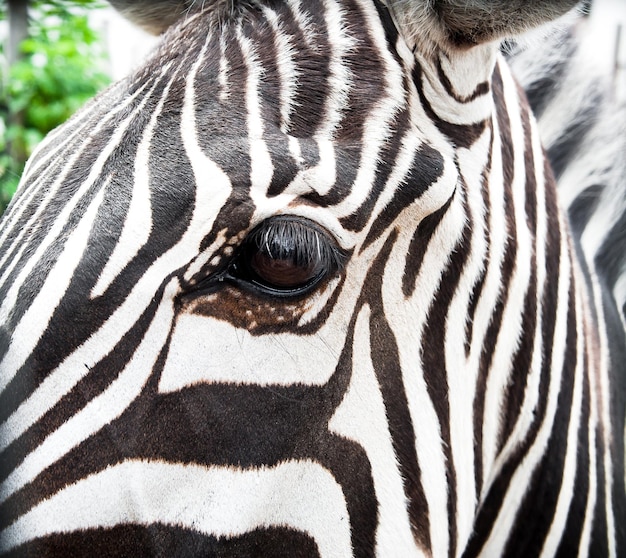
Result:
x=314 y=34
x=291 y=79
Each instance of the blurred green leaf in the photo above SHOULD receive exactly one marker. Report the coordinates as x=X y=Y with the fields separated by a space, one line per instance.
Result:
x=62 y=67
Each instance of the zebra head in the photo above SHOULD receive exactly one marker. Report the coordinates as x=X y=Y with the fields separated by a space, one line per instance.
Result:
x=300 y=282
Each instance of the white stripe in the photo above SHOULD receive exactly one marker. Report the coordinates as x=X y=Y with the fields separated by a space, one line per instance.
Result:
x=34 y=222
x=209 y=350
x=415 y=310
x=509 y=335
x=42 y=398
x=138 y=221
x=462 y=372
x=362 y=417
x=303 y=21
x=101 y=410
x=466 y=70
x=340 y=79
x=532 y=393
x=518 y=487
x=435 y=193
x=321 y=178
x=380 y=119
x=566 y=490
x=218 y=501
x=261 y=168
x=287 y=69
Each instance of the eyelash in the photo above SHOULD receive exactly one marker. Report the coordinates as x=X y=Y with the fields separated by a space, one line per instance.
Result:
x=284 y=257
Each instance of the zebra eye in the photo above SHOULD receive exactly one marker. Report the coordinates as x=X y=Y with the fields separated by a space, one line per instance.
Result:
x=284 y=271
x=286 y=256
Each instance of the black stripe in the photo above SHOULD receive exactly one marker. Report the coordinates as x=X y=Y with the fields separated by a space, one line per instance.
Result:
x=166 y=541
x=386 y=361
x=599 y=545
x=426 y=168
x=365 y=62
x=435 y=369
x=506 y=270
x=478 y=287
x=313 y=72
x=263 y=39
x=537 y=509
x=524 y=355
x=418 y=247
x=492 y=502
x=570 y=541
x=462 y=135
x=225 y=140
x=388 y=158
x=480 y=90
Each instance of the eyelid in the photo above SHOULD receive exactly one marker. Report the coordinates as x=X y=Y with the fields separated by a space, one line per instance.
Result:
x=287 y=238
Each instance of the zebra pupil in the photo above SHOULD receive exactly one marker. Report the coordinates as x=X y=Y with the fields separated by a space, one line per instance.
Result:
x=282 y=272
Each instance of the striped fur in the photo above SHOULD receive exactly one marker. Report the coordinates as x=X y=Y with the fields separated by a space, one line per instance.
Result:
x=445 y=389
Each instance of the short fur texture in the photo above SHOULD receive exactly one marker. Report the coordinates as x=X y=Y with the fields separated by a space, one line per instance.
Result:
x=439 y=373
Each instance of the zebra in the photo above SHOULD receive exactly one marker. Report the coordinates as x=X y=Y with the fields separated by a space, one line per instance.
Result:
x=301 y=286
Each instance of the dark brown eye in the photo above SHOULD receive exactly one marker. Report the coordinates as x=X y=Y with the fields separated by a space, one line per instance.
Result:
x=286 y=256
x=284 y=272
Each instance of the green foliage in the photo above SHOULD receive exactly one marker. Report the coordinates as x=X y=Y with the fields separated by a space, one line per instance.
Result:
x=61 y=67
